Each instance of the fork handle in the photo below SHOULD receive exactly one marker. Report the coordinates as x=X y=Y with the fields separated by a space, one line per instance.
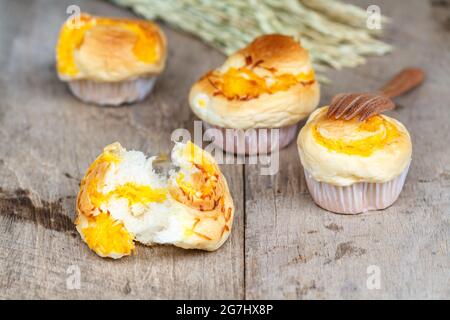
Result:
x=403 y=82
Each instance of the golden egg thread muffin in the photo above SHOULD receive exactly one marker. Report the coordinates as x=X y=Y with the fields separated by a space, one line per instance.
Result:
x=122 y=200
x=110 y=61
x=269 y=84
x=354 y=166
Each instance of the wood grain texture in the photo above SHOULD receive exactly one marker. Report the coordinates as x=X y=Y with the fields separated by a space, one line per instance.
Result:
x=282 y=245
x=49 y=139
x=296 y=250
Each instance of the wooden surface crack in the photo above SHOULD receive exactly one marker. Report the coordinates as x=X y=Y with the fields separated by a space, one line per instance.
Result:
x=19 y=204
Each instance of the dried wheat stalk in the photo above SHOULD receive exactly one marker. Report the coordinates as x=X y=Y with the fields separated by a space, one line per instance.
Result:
x=335 y=33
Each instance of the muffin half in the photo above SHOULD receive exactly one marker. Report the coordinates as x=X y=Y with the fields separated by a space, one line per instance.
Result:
x=354 y=166
x=268 y=85
x=110 y=61
x=122 y=199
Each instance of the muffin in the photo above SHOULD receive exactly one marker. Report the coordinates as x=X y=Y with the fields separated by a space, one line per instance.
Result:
x=110 y=61
x=354 y=166
x=268 y=85
x=122 y=199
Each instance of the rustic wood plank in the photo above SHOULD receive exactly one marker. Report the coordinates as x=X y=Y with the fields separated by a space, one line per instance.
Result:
x=294 y=249
x=48 y=139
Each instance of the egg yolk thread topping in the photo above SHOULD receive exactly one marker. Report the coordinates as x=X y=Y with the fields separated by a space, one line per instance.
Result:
x=104 y=234
x=135 y=193
x=92 y=195
x=108 y=236
x=379 y=133
x=204 y=192
x=244 y=84
x=71 y=38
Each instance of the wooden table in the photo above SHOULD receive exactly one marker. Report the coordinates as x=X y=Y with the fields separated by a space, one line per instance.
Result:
x=282 y=245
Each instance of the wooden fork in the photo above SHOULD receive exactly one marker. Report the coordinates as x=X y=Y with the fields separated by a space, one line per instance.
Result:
x=366 y=104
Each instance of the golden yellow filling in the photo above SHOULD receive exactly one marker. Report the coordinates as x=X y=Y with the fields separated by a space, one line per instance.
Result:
x=202 y=189
x=243 y=83
x=354 y=137
x=145 y=48
x=102 y=163
x=205 y=182
x=70 y=39
x=106 y=236
x=135 y=193
x=196 y=155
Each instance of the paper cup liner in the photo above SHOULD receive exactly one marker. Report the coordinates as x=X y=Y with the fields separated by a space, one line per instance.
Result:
x=112 y=93
x=356 y=198
x=251 y=141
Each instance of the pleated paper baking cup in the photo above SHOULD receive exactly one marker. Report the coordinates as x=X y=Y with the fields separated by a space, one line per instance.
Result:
x=358 y=197
x=251 y=141
x=112 y=93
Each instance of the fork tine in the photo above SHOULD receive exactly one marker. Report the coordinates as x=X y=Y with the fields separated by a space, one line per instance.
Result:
x=367 y=100
x=362 y=105
x=335 y=103
x=352 y=106
x=384 y=103
x=343 y=106
x=368 y=109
